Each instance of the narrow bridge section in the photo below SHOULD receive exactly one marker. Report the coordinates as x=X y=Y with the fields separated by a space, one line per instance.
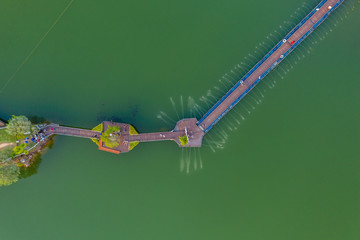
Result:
x=68 y=131
x=158 y=136
x=268 y=63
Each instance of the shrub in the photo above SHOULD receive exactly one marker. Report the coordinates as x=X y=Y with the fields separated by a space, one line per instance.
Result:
x=110 y=137
x=184 y=140
x=19 y=149
x=9 y=173
x=98 y=128
x=133 y=131
x=133 y=144
x=96 y=141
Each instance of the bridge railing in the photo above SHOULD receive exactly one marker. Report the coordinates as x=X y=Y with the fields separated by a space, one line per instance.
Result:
x=278 y=61
x=262 y=60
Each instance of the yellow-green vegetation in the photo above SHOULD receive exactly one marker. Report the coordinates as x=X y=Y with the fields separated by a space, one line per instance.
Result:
x=5 y=137
x=20 y=127
x=135 y=143
x=19 y=150
x=95 y=140
x=99 y=128
x=184 y=140
x=9 y=171
x=110 y=137
x=133 y=131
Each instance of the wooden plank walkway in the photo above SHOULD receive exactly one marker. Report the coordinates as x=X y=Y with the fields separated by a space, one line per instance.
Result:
x=157 y=136
x=68 y=131
x=269 y=62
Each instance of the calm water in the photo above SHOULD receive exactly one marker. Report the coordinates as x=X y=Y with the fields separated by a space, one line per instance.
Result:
x=290 y=170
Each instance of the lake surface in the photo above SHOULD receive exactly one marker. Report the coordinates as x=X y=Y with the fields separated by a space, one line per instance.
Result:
x=289 y=171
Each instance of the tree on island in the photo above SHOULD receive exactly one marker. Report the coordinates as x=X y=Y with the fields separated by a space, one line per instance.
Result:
x=111 y=137
x=19 y=126
x=9 y=171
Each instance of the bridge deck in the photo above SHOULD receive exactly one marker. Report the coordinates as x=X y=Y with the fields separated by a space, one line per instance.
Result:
x=157 y=136
x=269 y=62
x=68 y=131
x=125 y=137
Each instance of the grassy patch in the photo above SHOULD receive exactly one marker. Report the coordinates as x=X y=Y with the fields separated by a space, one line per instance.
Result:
x=133 y=144
x=110 y=137
x=19 y=150
x=5 y=154
x=184 y=140
x=5 y=137
x=96 y=141
x=133 y=131
x=9 y=173
x=99 y=128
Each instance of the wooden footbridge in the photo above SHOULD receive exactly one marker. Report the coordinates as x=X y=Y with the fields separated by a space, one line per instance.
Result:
x=195 y=130
x=268 y=63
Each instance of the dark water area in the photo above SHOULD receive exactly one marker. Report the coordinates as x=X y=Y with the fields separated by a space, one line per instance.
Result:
x=290 y=170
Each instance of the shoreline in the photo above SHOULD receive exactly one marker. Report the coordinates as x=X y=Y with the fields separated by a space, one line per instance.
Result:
x=26 y=160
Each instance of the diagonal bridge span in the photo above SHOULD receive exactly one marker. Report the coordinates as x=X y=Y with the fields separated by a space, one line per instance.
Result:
x=268 y=63
x=194 y=129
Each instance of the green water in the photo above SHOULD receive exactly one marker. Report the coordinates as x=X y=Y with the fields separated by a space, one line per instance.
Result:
x=290 y=170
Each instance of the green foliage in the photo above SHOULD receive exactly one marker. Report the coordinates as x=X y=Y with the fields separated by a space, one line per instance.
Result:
x=9 y=173
x=111 y=137
x=5 y=137
x=184 y=140
x=96 y=141
x=133 y=131
x=26 y=172
x=18 y=127
x=5 y=154
x=99 y=128
x=19 y=150
x=34 y=130
x=133 y=144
